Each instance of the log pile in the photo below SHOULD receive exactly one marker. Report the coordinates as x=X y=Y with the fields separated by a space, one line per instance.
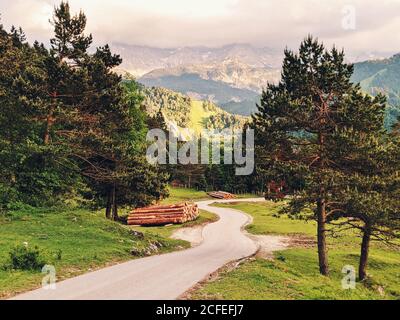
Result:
x=221 y=195
x=163 y=215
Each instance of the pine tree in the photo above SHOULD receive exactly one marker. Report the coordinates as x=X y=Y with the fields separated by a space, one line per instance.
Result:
x=370 y=201
x=300 y=124
x=122 y=174
x=35 y=173
x=12 y=115
x=103 y=124
x=68 y=120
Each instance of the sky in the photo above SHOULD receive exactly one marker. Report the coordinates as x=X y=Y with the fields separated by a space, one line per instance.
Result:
x=357 y=25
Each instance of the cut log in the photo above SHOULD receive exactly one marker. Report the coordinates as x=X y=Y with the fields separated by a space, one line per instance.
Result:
x=164 y=215
x=221 y=195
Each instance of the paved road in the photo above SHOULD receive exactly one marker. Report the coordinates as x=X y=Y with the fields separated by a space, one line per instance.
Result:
x=163 y=277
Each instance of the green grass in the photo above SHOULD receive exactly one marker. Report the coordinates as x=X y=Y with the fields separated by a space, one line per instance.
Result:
x=267 y=221
x=199 y=116
x=293 y=274
x=182 y=194
x=177 y=195
x=85 y=241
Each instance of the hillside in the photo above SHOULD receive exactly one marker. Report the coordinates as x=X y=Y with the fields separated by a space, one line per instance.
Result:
x=244 y=108
x=188 y=113
x=381 y=76
x=193 y=85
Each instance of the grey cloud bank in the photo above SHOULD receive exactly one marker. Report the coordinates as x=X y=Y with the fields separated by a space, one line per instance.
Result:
x=173 y=23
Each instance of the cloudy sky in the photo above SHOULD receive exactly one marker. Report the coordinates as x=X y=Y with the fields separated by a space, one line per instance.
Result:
x=365 y=25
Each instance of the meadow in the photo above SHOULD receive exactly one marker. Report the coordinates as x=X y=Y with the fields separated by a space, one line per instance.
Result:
x=293 y=274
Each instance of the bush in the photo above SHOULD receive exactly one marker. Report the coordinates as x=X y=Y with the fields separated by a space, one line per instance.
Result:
x=8 y=196
x=24 y=258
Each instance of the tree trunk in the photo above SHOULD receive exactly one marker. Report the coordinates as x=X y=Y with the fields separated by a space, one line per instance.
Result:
x=109 y=204
x=49 y=124
x=115 y=216
x=321 y=215
x=362 y=269
x=46 y=138
x=115 y=212
x=321 y=233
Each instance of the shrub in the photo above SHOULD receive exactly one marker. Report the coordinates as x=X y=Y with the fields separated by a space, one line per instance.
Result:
x=8 y=196
x=24 y=258
x=281 y=258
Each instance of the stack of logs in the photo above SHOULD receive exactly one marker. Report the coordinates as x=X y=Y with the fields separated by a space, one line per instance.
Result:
x=163 y=215
x=221 y=195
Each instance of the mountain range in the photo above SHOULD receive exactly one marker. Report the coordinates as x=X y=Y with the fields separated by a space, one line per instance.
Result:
x=234 y=75
x=139 y=60
x=231 y=76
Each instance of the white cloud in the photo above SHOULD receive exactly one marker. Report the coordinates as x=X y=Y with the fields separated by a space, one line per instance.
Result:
x=274 y=23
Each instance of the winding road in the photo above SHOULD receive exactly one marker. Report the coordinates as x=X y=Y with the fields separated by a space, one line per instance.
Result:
x=162 y=277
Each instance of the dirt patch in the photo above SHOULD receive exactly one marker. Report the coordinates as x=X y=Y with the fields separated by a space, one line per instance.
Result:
x=194 y=235
x=268 y=244
x=300 y=241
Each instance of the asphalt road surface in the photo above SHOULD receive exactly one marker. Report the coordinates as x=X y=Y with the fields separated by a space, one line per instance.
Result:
x=162 y=277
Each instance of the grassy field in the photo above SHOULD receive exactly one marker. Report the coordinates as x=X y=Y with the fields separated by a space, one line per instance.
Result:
x=199 y=116
x=293 y=274
x=76 y=241
x=182 y=195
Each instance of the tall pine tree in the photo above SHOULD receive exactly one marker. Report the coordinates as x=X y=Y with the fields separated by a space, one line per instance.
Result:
x=68 y=119
x=300 y=124
x=103 y=124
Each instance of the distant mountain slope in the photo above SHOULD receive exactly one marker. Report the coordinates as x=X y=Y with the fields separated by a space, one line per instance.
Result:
x=381 y=76
x=232 y=84
x=174 y=106
x=187 y=113
x=233 y=72
x=139 y=60
x=244 y=108
x=200 y=89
